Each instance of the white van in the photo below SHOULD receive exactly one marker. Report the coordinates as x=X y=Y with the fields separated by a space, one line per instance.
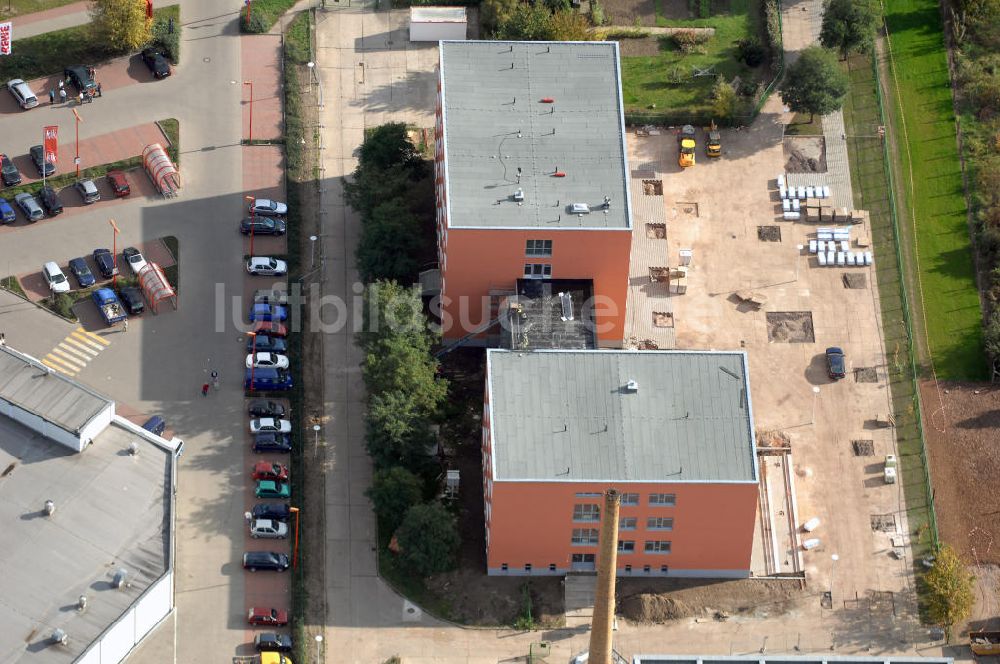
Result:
x=54 y=277
x=22 y=93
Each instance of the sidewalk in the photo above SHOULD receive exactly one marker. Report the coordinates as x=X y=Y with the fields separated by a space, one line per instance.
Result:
x=58 y=18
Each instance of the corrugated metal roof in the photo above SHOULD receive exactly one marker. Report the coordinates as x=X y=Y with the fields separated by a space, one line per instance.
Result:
x=495 y=123
x=437 y=15
x=31 y=385
x=568 y=415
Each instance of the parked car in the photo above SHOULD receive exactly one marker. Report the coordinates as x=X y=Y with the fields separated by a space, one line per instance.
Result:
x=267 y=529
x=272 y=642
x=263 y=616
x=265 y=207
x=267 y=312
x=265 y=470
x=273 y=360
x=22 y=93
x=279 y=511
x=37 y=154
x=265 y=408
x=265 y=378
x=109 y=305
x=271 y=489
x=88 y=191
x=836 y=363
x=155 y=425
x=7 y=214
x=262 y=342
x=158 y=65
x=262 y=226
x=271 y=328
x=259 y=424
x=80 y=270
x=119 y=184
x=29 y=206
x=80 y=77
x=134 y=259
x=56 y=280
x=270 y=296
x=266 y=266
x=9 y=172
x=265 y=560
x=279 y=443
x=50 y=200
x=105 y=263
x=131 y=297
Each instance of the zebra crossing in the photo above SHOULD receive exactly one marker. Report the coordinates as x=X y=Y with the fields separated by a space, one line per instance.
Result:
x=75 y=351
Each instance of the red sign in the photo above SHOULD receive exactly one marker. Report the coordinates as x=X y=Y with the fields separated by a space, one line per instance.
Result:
x=149 y=9
x=51 y=135
x=5 y=29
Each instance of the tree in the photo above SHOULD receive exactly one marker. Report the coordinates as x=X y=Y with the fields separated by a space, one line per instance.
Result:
x=391 y=245
x=528 y=22
x=849 y=25
x=393 y=365
x=428 y=540
x=569 y=25
x=815 y=83
x=494 y=12
x=121 y=24
x=949 y=585
x=397 y=433
x=392 y=311
x=386 y=147
x=723 y=99
x=393 y=492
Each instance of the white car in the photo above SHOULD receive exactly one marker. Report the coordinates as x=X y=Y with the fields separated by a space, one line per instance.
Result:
x=268 y=529
x=265 y=207
x=270 y=360
x=54 y=277
x=135 y=259
x=267 y=266
x=22 y=93
x=269 y=424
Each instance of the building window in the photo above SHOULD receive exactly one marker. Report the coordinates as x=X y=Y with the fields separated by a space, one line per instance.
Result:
x=628 y=523
x=662 y=499
x=664 y=569
x=537 y=270
x=626 y=546
x=503 y=567
x=628 y=569
x=630 y=499
x=657 y=546
x=552 y=567
x=584 y=536
x=527 y=568
x=588 y=495
x=645 y=568
x=586 y=512
x=659 y=523
x=538 y=248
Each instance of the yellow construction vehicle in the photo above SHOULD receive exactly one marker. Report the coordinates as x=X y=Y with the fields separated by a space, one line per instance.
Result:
x=713 y=148
x=686 y=146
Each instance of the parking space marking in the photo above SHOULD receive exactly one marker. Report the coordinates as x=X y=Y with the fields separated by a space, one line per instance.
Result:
x=75 y=351
x=51 y=364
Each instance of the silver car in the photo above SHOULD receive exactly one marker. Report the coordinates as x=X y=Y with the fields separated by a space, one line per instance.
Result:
x=29 y=206
x=88 y=191
x=22 y=93
x=268 y=529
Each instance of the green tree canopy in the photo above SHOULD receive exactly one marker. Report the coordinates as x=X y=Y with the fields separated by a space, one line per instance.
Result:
x=527 y=22
x=397 y=433
x=569 y=25
x=428 y=540
x=393 y=365
x=392 y=311
x=949 y=584
x=815 y=83
x=388 y=146
x=121 y=24
x=723 y=99
x=494 y=12
x=393 y=492
x=849 y=25
x=390 y=246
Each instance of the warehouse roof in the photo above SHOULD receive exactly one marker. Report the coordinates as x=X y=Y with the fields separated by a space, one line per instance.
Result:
x=676 y=416
x=55 y=398
x=538 y=119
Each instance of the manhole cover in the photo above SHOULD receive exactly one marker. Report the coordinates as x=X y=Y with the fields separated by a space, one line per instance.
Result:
x=885 y=523
x=863 y=447
x=794 y=327
x=652 y=187
x=769 y=233
x=866 y=375
x=656 y=231
x=855 y=280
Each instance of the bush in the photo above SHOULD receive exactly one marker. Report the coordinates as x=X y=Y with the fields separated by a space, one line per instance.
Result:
x=596 y=13
x=393 y=492
x=428 y=540
x=991 y=336
x=62 y=304
x=704 y=8
x=632 y=33
x=949 y=586
x=750 y=51
x=689 y=40
x=772 y=19
x=169 y=42
x=256 y=25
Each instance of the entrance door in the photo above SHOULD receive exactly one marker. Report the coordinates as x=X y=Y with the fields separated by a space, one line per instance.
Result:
x=583 y=562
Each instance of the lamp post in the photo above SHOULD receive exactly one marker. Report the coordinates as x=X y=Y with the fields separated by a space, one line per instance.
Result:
x=253 y=221
x=800 y=247
x=312 y=68
x=76 y=160
x=250 y=83
x=812 y=420
x=312 y=244
x=295 y=549
x=833 y=570
x=114 y=253
x=316 y=429
x=253 y=357
x=319 y=642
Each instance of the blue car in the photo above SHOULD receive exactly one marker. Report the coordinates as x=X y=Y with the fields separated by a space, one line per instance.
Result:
x=7 y=212
x=268 y=313
x=84 y=276
x=268 y=379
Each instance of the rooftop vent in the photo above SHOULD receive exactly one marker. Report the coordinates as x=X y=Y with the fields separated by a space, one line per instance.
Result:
x=81 y=603
x=60 y=636
x=632 y=386
x=50 y=508
x=133 y=448
x=118 y=581
x=519 y=195
x=579 y=208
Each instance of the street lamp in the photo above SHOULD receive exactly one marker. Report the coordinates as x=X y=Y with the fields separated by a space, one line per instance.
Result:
x=312 y=68
x=815 y=394
x=253 y=221
x=295 y=550
x=250 y=83
x=319 y=642
x=800 y=247
x=77 y=159
x=833 y=571
x=253 y=357
x=312 y=243
x=114 y=253
x=316 y=429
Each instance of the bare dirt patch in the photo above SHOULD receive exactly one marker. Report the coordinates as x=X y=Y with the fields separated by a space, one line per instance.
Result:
x=863 y=448
x=794 y=327
x=805 y=154
x=653 y=601
x=866 y=375
x=855 y=280
x=769 y=233
x=961 y=421
x=643 y=46
x=625 y=12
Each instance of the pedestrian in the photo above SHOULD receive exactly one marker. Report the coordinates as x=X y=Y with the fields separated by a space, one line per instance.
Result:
x=204 y=390
x=3 y=338
x=52 y=95
x=62 y=94
x=99 y=93
x=61 y=84
x=125 y=326
x=215 y=379
x=81 y=98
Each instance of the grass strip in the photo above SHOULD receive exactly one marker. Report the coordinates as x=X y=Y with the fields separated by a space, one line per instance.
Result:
x=263 y=15
x=14 y=286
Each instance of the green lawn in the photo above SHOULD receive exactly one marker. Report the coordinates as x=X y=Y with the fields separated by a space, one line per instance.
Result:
x=666 y=79
x=22 y=7
x=943 y=248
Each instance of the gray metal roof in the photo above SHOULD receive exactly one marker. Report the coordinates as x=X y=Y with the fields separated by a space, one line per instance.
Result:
x=46 y=393
x=568 y=416
x=111 y=512
x=495 y=122
x=438 y=14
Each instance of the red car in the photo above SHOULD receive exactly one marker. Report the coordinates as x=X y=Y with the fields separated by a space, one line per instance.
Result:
x=265 y=470
x=270 y=328
x=263 y=616
x=119 y=184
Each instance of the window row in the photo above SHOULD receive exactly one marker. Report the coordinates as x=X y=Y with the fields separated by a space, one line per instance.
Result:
x=592 y=513
x=504 y=567
x=632 y=499
x=589 y=537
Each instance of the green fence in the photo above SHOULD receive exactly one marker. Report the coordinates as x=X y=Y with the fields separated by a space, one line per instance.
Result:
x=865 y=117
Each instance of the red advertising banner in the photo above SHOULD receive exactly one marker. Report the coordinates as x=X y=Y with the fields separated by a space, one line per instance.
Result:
x=51 y=142
x=5 y=40
x=149 y=9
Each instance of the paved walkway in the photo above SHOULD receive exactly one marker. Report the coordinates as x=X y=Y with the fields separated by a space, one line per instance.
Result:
x=59 y=18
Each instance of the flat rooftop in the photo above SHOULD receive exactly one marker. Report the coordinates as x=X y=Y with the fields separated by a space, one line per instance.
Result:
x=111 y=512
x=543 y=320
x=500 y=137
x=49 y=395
x=570 y=415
